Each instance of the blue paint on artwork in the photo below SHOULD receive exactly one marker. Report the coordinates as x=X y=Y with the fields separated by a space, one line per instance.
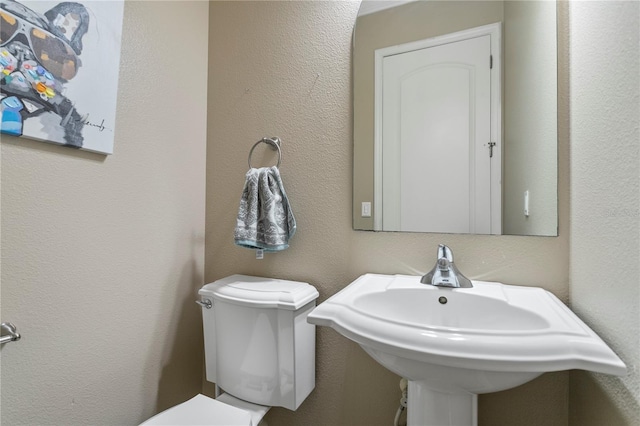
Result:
x=11 y=120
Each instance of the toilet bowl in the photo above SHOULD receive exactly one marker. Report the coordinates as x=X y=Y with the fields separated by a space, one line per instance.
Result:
x=259 y=350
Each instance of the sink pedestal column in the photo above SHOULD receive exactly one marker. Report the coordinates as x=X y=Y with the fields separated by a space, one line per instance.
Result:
x=426 y=407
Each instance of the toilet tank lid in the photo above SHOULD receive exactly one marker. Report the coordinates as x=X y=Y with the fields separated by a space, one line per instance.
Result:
x=261 y=292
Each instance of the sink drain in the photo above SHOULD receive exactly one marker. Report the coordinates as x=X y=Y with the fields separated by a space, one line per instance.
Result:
x=443 y=300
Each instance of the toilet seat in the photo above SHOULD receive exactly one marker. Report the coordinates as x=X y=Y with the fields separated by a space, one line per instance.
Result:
x=256 y=411
x=202 y=410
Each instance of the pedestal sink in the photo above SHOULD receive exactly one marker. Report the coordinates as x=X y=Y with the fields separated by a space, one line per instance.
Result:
x=453 y=344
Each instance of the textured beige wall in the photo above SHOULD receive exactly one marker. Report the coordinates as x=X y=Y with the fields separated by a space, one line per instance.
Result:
x=102 y=256
x=605 y=202
x=283 y=68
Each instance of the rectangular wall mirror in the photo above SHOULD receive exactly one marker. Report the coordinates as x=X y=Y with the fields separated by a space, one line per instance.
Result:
x=455 y=117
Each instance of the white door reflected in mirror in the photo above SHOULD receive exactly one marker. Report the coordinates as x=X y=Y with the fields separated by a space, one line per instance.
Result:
x=437 y=111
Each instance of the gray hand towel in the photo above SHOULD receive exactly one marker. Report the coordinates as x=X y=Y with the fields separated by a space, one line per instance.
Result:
x=265 y=220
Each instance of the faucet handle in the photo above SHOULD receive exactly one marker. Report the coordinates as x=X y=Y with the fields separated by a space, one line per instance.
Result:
x=445 y=252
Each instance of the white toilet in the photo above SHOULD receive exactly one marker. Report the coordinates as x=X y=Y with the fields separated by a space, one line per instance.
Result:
x=259 y=351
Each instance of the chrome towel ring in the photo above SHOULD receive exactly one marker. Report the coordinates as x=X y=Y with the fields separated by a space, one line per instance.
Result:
x=273 y=142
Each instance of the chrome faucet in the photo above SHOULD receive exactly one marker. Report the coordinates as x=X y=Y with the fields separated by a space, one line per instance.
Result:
x=445 y=273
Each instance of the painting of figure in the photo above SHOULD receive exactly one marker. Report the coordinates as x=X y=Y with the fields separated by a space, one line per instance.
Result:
x=59 y=65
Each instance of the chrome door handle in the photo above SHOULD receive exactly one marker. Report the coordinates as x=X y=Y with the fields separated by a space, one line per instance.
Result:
x=12 y=333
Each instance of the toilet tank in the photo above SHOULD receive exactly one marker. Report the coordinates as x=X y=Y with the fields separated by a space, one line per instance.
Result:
x=258 y=344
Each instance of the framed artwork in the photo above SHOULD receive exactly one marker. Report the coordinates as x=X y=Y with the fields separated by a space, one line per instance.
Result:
x=59 y=64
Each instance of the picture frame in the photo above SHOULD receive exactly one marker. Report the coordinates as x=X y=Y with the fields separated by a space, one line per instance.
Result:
x=59 y=66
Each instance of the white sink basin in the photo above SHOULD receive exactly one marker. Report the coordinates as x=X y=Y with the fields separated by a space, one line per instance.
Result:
x=456 y=343
x=464 y=309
